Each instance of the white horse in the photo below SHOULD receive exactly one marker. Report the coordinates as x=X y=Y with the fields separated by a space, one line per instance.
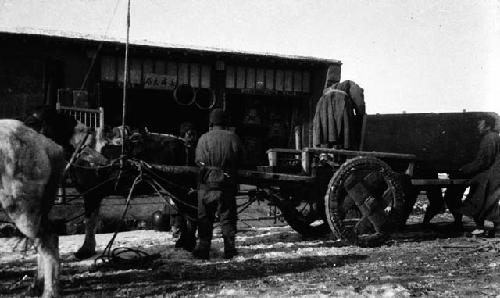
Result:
x=30 y=169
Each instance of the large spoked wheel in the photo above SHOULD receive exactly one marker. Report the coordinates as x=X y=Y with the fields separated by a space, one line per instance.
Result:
x=304 y=216
x=364 y=202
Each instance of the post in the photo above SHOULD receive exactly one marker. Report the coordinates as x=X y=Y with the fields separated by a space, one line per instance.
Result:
x=363 y=130
x=125 y=77
x=101 y=117
x=298 y=137
x=306 y=162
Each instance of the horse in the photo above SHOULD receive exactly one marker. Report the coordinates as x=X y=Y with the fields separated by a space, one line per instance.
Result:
x=30 y=169
x=97 y=175
x=101 y=169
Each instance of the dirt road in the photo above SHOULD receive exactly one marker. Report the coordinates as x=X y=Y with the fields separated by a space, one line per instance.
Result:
x=275 y=261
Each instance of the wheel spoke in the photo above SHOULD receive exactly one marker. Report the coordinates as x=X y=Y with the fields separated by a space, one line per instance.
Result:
x=388 y=198
x=363 y=226
x=301 y=211
x=348 y=203
x=301 y=214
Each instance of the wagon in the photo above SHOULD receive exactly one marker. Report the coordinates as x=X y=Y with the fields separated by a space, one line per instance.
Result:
x=359 y=196
x=362 y=197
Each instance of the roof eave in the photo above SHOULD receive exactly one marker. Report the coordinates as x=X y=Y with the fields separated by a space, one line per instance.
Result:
x=162 y=45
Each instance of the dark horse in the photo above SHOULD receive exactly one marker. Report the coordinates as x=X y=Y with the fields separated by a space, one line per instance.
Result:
x=98 y=173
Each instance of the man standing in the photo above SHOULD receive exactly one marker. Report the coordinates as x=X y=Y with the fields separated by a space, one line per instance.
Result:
x=189 y=134
x=482 y=201
x=219 y=152
x=340 y=113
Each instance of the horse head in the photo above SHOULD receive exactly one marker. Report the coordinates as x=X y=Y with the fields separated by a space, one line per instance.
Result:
x=158 y=148
x=64 y=129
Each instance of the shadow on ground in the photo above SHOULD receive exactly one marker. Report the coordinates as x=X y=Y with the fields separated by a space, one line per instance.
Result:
x=418 y=232
x=165 y=274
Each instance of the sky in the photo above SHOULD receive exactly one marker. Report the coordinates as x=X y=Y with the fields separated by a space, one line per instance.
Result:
x=413 y=56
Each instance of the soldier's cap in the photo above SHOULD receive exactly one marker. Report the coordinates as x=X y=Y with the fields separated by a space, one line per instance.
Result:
x=218 y=117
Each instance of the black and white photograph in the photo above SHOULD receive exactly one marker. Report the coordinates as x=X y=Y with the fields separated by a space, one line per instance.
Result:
x=262 y=148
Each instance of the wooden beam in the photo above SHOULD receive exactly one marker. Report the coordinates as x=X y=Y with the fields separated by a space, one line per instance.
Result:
x=440 y=182
x=362 y=153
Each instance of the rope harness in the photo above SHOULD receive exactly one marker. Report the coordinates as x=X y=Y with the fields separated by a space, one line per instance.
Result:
x=113 y=258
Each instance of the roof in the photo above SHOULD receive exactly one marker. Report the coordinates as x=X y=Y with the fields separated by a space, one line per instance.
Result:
x=153 y=24
x=148 y=43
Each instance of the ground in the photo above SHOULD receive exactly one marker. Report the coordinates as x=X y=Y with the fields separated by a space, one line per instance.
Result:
x=275 y=261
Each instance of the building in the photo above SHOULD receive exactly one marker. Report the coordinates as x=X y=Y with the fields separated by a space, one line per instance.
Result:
x=270 y=98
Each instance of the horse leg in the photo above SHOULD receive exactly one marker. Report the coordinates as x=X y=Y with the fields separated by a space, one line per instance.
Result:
x=436 y=204
x=187 y=223
x=48 y=263
x=191 y=226
x=91 y=216
x=37 y=227
x=453 y=199
x=36 y=289
x=187 y=239
x=37 y=286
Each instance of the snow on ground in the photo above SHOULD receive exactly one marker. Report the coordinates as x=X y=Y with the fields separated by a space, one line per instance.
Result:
x=267 y=244
x=258 y=243
x=274 y=262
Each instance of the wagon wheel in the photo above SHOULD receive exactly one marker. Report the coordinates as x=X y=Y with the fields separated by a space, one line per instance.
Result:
x=364 y=201
x=307 y=217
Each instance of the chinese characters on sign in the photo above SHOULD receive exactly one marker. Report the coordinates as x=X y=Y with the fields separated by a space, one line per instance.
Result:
x=156 y=81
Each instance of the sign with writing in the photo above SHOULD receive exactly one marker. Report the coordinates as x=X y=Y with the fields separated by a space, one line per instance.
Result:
x=266 y=92
x=156 y=81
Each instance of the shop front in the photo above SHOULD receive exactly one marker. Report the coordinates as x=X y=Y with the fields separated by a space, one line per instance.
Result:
x=270 y=98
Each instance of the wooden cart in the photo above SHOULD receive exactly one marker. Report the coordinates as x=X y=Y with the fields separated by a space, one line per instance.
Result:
x=359 y=196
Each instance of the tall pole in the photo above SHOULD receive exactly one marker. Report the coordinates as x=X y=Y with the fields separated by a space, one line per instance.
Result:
x=125 y=79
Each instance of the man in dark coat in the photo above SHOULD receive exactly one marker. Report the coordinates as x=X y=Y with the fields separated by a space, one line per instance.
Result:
x=332 y=120
x=219 y=152
x=340 y=113
x=358 y=114
x=482 y=201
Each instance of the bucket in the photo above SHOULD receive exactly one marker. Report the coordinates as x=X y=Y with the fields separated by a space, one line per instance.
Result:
x=273 y=158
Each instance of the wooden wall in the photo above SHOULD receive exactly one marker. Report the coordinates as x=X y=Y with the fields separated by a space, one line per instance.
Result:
x=37 y=67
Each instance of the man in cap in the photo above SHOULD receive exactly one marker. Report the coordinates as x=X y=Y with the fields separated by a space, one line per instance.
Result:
x=482 y=202
x=219 y=153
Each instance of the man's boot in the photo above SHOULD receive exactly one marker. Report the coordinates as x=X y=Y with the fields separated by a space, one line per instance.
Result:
x=189 y=242
x=496 y=229
x=202 y=250
x=457 y=223
x=179 y=243
x=229 y=248
x=186 y=242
